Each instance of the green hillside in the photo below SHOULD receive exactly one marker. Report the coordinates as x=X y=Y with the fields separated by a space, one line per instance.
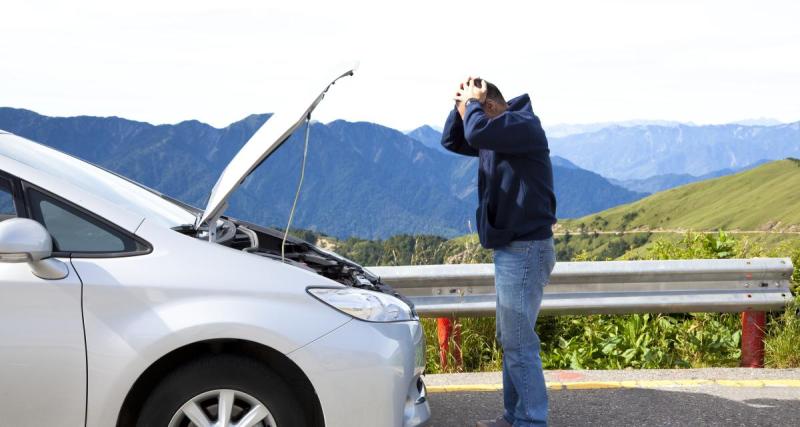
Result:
x=766 y=198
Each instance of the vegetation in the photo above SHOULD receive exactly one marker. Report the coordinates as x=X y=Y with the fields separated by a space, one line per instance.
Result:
x=585 y=246
x=783 y=329
x=764 y=198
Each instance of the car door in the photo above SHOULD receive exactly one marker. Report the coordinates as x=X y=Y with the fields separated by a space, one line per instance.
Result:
x=42 y=347
x=88 y=240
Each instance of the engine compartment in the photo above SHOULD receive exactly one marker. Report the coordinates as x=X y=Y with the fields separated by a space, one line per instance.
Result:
x=266 y=242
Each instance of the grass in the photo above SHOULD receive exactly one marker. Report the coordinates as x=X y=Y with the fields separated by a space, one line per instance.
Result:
x=764 y=198
x=480 y=351
x=782 y=343
x=606 y=342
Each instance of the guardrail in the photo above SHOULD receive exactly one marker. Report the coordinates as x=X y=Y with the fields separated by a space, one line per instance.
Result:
x=750 y=286
x=673 y=286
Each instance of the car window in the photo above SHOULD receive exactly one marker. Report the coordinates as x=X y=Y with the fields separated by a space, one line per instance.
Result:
x=95 y=180
x=75 y=231
x=7 y=209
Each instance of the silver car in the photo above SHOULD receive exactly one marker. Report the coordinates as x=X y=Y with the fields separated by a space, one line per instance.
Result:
x=121 y=307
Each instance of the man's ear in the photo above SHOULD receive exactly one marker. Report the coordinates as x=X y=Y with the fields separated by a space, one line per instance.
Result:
x=490 y=106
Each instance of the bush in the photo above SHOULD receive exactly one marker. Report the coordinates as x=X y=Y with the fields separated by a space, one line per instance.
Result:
x=642 y=341
x=783 y=328
x=783 y=335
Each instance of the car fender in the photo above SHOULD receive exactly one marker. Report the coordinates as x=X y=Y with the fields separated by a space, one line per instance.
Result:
x=205 y=292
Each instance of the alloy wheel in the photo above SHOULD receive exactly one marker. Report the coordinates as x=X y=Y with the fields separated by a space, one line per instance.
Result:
x=223 y=408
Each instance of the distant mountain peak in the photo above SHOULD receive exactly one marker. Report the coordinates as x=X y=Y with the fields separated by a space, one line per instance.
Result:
x=428 y=136
x=423 y=128
x=562 y=162
x=761 y=121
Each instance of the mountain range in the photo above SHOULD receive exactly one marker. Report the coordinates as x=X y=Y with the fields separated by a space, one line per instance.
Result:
x=565 y=129
x=362 y=179
x=644 y=151
x=657 y=183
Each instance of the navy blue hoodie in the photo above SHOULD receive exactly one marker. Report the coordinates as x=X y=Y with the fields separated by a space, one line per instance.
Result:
x=515 y=178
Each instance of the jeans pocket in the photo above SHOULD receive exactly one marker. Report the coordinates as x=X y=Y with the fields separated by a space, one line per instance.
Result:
x=547 y=261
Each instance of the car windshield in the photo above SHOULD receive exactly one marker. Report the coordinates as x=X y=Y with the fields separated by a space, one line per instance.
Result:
x=114 y=188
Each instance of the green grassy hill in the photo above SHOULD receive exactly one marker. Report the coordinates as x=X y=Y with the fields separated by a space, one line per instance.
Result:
x=766 y=198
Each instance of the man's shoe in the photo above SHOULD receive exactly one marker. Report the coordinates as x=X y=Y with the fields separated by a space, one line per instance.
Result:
x=498 y=422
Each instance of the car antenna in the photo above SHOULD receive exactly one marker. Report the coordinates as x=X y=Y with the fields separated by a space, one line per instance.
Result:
x=299 y=186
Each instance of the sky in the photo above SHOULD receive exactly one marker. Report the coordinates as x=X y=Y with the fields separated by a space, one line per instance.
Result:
x=581 y=61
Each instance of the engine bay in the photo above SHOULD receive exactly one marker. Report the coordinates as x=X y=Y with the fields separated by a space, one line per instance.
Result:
x=267 y=242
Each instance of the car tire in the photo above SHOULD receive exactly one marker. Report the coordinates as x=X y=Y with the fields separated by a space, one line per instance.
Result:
x=252 y=381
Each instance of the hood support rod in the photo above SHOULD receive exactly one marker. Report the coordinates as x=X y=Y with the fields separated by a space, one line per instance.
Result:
x=299 y=186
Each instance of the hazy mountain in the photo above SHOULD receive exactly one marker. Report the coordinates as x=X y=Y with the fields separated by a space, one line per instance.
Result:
x=428 y=136
x=562 y=162
x=181 y=160
x=578 y=191
x=658 y=183
x=761 y=121
x=565 y=129
x=362 y=179
x=640 y=152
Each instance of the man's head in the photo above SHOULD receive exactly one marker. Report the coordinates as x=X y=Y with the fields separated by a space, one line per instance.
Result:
x=487 y=93
x=495 y=104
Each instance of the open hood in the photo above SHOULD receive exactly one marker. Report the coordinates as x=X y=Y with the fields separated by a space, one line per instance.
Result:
x=266 y=140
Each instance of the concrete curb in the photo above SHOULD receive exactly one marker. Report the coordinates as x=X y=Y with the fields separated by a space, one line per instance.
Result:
x=594 y=385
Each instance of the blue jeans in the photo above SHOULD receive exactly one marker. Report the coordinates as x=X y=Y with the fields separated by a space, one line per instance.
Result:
x=522 y=270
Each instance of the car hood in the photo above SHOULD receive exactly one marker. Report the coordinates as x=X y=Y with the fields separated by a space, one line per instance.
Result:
x=264 y=142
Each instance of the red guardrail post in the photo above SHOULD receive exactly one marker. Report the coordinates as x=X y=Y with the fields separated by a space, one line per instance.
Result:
x=447 y=328
x=754 y=324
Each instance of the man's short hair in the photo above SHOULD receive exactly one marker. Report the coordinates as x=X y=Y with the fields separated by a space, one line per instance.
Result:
x=492 y=92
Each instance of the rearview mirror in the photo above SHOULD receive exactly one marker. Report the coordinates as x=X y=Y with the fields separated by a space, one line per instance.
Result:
x=25 y=240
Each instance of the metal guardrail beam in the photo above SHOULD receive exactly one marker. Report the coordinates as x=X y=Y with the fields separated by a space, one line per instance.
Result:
x=675 y=286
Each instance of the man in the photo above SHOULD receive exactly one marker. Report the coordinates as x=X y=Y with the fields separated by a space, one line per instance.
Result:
x=515 y=216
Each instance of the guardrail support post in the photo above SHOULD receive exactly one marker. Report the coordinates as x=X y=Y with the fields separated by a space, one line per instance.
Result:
x=754 y=324
x=447 y=328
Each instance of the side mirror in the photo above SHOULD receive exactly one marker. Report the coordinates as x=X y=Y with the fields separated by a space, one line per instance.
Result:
x=25 y=240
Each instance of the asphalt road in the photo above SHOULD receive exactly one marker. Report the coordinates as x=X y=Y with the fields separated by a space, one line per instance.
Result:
x=624 y=407
x=710 y=404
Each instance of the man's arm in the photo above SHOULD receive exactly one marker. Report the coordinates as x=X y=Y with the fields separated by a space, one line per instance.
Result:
x=510 y=132
x=453 y=136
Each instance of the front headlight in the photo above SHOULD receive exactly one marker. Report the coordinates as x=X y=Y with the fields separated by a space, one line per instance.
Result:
x=363 y=304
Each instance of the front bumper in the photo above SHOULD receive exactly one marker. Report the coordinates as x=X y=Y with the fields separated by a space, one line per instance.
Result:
x=369 y=374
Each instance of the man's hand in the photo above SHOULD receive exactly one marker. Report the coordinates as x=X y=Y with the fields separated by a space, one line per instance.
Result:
x=469 y=89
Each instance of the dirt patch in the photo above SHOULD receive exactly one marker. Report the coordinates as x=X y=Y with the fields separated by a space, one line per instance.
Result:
x=327 y=244
x=770 y=226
